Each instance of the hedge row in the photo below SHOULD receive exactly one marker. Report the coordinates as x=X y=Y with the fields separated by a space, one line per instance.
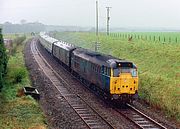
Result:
x=3 y=60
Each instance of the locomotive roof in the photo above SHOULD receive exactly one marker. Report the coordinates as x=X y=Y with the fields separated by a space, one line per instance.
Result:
x=64 y=45
x=98 y=58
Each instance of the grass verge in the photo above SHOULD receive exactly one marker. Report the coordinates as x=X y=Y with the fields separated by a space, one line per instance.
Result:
x=18 y=112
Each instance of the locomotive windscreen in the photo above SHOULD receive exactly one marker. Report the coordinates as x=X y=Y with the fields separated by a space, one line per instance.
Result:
x=125 y=64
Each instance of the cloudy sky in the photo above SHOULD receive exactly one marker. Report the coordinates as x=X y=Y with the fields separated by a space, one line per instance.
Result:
x=124 y=13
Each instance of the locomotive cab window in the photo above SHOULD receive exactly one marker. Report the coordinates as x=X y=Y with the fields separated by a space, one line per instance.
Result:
x=125 y=68
x=116 y=72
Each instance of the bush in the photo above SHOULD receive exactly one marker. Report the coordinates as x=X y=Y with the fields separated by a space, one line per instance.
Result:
x=19 y=74
x=3 y=60
x=19 y=40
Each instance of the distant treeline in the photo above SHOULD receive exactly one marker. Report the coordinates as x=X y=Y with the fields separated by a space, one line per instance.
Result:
x=22 y=28
x=36 y=27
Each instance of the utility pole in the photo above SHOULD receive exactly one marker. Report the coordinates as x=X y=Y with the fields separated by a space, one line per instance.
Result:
x=97 y=30
x=97 y=20
x=108 y=19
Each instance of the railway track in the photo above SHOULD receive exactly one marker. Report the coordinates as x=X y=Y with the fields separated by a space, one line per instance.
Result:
x=89 y=115
x=141 y=120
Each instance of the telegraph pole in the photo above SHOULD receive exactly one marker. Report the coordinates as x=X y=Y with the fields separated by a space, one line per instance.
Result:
x=97 y=20
x=97 y=28
x=108 y=19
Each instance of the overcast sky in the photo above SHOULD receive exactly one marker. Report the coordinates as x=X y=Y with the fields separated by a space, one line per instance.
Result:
x=124 y=13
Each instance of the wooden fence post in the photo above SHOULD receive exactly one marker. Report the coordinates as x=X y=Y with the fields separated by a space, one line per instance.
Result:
x=170 y=39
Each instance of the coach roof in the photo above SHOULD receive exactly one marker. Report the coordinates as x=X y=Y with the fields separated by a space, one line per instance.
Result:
x=64 y=45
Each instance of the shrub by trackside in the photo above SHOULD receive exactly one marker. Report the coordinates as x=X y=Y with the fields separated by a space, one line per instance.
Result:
x=17 y=42
x=3 y=60
x=19 y=74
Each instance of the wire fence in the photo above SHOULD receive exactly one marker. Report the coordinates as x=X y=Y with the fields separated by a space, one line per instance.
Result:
x=153 y=38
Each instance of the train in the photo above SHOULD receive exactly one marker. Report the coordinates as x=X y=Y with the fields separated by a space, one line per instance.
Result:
x=109 y=76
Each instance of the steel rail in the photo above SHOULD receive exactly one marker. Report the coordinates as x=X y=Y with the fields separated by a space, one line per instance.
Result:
x=140 y=119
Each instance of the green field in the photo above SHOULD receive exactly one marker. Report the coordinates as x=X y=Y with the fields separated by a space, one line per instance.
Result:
x=158 y=63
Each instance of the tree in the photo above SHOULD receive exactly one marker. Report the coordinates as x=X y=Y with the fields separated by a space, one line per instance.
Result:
x=23 y=21
x=3 y=60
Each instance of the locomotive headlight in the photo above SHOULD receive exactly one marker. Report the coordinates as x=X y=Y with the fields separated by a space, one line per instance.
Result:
x=134 y=72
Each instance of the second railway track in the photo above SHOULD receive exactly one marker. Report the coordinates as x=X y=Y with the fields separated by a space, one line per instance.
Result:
x=90 y=116
x=141 y=120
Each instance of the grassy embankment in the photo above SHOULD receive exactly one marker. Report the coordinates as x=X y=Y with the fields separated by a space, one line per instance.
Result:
x=158 y=64
x=21 y=112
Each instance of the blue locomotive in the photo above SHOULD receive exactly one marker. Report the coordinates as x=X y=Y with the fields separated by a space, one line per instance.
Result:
x=112 y=77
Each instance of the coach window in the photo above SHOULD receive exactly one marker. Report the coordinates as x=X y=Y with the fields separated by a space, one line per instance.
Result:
x=99 y=69
x=77 y=59
x=84 y=68
x=96 y=68
x=59 y=51
x=102 y=69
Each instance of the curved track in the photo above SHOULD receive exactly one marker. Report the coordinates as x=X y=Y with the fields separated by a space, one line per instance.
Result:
x=90 y=116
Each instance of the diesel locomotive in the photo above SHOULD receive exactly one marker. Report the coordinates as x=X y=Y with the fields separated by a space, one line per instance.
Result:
x=111 y=77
